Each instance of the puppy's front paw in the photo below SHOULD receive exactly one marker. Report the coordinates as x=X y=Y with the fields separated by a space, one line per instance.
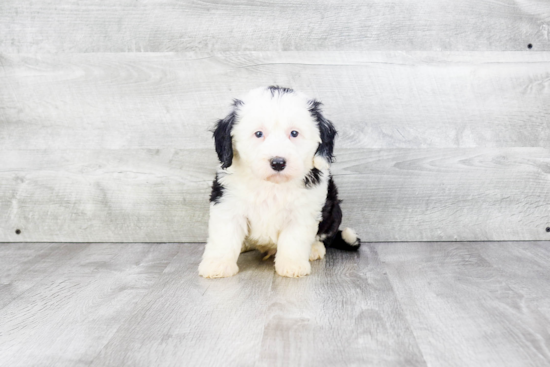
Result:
x=217 y=268
x=288 y=267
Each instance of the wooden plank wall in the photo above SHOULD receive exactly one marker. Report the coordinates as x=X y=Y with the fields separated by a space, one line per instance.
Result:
x=443 y=112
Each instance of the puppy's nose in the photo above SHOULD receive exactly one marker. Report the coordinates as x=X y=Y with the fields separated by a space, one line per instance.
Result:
x=278 y=163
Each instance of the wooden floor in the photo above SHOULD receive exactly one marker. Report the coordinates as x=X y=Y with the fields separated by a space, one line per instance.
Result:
x=391 y=304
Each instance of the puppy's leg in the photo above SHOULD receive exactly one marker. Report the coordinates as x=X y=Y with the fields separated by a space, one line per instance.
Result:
x=226 y=233
x=318 y=251
x=294 y=248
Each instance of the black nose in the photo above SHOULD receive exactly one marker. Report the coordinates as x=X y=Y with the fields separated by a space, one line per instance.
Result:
x=278 y=163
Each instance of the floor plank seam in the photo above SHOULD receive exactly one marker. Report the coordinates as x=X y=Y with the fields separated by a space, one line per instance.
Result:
x=136 y=306
x=266 y=320
x=401 y=309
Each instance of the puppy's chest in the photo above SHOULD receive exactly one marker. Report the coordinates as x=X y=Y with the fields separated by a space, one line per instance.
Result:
x=269 y=212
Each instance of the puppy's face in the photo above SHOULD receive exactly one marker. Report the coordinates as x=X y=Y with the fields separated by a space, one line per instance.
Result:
x=276 y=133
x=276 y=136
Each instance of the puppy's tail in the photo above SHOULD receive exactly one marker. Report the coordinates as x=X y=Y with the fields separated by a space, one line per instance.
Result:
x=346 y=240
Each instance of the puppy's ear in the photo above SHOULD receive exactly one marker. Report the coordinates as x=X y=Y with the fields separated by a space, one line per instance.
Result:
x=222 y=136
x=327 y=134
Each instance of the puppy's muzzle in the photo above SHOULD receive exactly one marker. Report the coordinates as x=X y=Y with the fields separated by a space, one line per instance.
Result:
x=278 y=164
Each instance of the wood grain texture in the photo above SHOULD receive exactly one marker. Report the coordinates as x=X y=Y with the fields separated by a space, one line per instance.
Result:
x=526 y=277
x=12 y=259
x=83 y=303
x=39 y=260
x=462 y=309
x=469 y=194
x=390 y=304
x=451 y=194
x=169 y=25
x=376 y=99
x=104 y=195
x=344 y=314
x=194 y=321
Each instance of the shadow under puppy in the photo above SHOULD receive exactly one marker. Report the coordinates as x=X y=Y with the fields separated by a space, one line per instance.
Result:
x=274 y=191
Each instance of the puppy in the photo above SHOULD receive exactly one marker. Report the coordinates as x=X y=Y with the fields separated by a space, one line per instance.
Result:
x=274 y=191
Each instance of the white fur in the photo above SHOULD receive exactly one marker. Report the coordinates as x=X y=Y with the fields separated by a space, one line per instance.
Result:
x=318 y=251
x=320 y=163
x=268 y=210
x=349 y=236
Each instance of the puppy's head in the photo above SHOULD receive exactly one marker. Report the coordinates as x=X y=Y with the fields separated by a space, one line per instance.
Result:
x=277 y=134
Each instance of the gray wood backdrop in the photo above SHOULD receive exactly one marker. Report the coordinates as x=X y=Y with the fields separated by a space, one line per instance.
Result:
x=442 y=107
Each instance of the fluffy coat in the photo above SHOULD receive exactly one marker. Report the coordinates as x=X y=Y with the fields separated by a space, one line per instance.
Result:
x=273 y=190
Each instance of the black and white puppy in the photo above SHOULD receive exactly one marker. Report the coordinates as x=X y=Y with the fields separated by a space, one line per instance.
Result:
x=274 y=191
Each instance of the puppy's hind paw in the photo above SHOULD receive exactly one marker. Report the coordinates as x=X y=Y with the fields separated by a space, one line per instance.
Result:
x=318 y=251
x=287 y=267
x=217 y=268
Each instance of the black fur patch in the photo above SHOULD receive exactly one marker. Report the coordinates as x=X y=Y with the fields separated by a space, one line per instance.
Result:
x=313 y=178
x=331 y=212
x=326 y=130
x=222 y=136
x=217 y=191
x=331 y=220
x=280 y=90
x=339 y=243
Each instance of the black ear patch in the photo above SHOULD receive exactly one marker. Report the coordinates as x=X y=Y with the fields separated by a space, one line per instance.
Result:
x=222 y=136
x=326 y=130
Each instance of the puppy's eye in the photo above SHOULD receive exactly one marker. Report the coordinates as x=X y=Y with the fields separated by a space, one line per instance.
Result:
x=294 y=133
x=259 y=134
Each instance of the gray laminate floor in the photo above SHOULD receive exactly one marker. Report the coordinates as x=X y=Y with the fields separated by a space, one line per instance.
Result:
x=391 y=304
